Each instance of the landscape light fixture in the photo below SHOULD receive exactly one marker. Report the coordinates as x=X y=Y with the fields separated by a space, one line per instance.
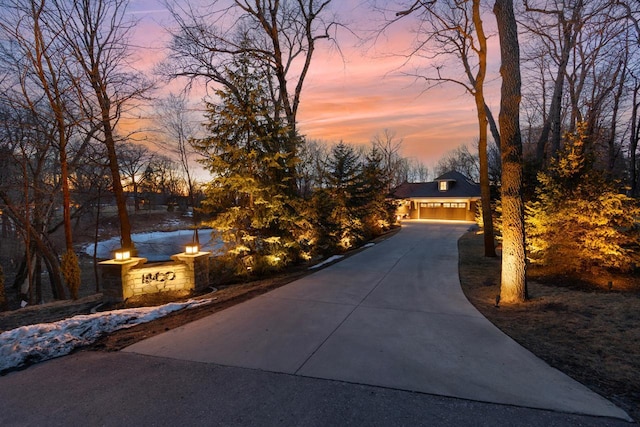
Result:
x=122 y=254
x=192 y=249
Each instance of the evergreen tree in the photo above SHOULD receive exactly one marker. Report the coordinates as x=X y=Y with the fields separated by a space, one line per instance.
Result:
x=254 y=210
x=377 y=210
x=578 y=220
x=341 y=224
x=352 y=206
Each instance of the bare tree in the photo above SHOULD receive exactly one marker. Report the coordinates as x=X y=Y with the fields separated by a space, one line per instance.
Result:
x=392 y=162
x=47 y=86
x=279 y=38
x=177 y=128
x=513 y=287
x=461 y=160
x=133 y=159
x=634 y=136
x=96 y=33
x=311 y=172
x=28 y=192
x=581 y=45
x=567 y=23
x=416 y=171
x=454 y=29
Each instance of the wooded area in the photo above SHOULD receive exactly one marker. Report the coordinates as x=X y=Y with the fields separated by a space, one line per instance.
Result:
x=565 y=143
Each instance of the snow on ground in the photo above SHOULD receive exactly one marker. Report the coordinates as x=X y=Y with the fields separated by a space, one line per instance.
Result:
x=326 y=261
x=335 y=257
x=156 y=245
x=36 y=343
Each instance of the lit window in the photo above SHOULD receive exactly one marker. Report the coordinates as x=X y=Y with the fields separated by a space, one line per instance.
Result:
x=442 y=185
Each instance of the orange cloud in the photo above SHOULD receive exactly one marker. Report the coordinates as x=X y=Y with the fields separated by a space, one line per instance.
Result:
x=354 y=96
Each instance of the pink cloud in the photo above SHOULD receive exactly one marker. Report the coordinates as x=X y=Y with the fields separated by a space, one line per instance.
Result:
x=352 y=98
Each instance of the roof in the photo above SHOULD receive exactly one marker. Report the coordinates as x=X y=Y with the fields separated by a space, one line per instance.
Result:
x=459 y=186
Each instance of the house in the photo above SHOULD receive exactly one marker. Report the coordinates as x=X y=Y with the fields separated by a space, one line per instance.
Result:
x=451 y=196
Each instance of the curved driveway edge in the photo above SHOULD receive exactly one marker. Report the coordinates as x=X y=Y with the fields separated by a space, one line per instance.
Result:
x=394 y=316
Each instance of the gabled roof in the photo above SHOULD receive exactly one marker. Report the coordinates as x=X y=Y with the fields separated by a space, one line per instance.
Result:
x=458 y=186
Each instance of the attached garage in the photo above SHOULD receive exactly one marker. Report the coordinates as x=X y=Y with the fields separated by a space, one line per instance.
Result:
x=451 y=196
x=443 y=210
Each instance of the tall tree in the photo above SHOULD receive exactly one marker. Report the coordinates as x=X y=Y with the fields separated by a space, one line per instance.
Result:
x=177 y=128
x=455 y=29
x=96 y=33
x=47 y=89
x=388 y=147
x=247 y=152
x=580 y=51
x=513 y=287
x=634 y=136
x=280 y=38
x=568 y=21
x=133 y=159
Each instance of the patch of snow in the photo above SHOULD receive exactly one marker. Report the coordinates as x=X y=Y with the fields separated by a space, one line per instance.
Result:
x=326 y=261
x=336 y=257
x=36 y=343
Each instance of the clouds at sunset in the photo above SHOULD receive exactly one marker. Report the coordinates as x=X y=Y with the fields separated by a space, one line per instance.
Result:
x=354 y=96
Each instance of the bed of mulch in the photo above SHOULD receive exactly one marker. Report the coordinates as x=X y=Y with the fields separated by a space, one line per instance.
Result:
x=586 y=327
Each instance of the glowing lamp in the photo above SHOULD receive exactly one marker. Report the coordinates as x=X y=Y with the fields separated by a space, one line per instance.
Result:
x=122 y=254
x=192 y=249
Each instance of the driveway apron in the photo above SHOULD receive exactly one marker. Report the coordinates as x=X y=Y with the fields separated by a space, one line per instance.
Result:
x=394 y=316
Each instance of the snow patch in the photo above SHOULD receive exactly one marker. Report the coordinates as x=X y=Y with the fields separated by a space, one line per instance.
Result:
x=336 y=257
x=156 y=245
x=36 y=343
x=326 y=261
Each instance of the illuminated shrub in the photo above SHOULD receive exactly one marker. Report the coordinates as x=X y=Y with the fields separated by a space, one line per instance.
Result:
x=578 y=220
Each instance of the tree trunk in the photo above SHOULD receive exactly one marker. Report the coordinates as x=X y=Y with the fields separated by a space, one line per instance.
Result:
x=485 y=190
x=552 y=124
x=513 y=286
x=118 y=191
x=633 y=139
x=96 y=274
x=493 y=126
x=3 y=294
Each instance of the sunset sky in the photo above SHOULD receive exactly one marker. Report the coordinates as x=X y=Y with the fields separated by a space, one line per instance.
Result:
x=352 y=98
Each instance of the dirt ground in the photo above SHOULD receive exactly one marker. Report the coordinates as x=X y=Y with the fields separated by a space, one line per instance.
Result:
x=590 y=332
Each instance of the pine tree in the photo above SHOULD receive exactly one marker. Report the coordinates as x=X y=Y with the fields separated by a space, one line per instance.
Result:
x=253 y=208
x=352 y=207
x=578 y=220
x=377 y=211
x=339 y=220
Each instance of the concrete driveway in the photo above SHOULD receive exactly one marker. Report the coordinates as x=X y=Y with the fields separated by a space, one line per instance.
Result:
x=393 y=316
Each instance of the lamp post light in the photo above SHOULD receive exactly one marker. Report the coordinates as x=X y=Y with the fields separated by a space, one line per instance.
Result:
x=122 y=254
x=192 y=249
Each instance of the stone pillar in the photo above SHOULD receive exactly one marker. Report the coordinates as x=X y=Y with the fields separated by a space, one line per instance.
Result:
x=114 y=275
x=198 y=266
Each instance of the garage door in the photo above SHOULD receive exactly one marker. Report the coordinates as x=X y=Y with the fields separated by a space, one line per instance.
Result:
x=446 y=210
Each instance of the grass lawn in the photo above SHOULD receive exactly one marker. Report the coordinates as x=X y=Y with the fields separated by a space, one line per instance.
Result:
x=590 y=332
